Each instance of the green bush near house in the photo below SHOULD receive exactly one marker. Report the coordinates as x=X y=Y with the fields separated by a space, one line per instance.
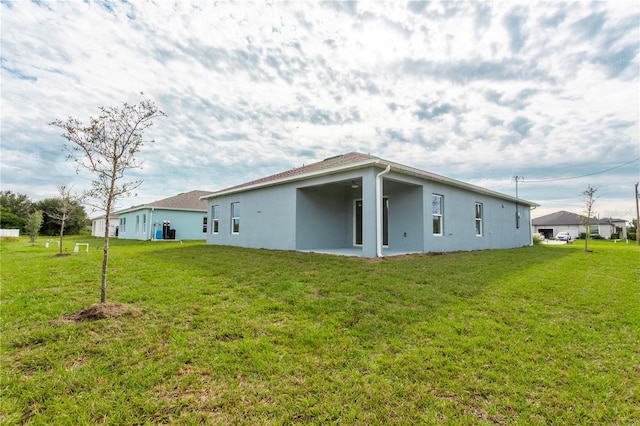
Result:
x=546 y=334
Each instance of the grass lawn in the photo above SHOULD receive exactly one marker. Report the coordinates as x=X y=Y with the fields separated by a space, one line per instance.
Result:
x=222 y=335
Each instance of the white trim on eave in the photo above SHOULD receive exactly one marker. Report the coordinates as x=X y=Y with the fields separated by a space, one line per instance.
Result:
x=147 y=207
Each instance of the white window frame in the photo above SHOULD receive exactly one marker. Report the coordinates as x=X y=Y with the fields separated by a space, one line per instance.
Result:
x=439 y=215
x=137 y=223
x=479 y=212
x=235 y=216
x=215 y=219
x=144 y=223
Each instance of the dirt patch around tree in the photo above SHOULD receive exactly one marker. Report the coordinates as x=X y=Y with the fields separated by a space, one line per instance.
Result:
x=100 y=311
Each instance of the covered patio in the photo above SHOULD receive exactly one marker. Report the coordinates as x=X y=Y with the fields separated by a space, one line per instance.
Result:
x=340 y=218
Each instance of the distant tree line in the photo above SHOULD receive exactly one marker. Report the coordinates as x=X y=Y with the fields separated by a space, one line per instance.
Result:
x=16 y=211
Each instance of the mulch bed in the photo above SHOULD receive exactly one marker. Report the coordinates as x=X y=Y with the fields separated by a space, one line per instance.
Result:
x=100 y=311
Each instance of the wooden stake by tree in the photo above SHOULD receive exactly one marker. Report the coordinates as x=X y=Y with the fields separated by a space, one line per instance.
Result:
x=107 y=148
x=589 y=201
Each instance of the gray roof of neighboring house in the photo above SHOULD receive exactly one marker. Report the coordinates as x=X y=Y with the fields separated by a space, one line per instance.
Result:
x=352 y=161
x=567 y=218
x=185 y=201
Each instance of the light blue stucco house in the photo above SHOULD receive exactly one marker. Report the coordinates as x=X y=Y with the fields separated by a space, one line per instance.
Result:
x=362 y=205
x=181 y=217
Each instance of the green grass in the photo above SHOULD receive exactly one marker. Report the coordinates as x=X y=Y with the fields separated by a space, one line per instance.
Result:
x=537 y=335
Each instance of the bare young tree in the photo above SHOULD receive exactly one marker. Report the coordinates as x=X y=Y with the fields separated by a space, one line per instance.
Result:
x=589 y=202
x=68 y=203
x=107 y=148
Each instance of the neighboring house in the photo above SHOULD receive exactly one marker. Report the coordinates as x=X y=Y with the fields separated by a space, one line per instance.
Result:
x=98 y=224
x=182 y=217
x=549 y=225
x=362 y=205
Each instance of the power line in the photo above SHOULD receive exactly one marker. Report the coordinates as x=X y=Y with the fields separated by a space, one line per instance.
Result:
x=578 y=177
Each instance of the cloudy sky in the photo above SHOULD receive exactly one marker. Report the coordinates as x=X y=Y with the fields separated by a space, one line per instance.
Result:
x=476 y=91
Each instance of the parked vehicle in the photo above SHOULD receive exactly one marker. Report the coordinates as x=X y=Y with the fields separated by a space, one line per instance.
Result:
x=563 y=236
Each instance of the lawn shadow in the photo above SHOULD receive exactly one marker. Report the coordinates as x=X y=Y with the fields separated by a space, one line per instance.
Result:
x=268 y=272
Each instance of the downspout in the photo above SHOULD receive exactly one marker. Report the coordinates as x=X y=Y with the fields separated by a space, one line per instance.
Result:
x=379 y=210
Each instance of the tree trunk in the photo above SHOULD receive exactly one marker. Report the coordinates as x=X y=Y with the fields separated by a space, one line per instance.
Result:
x=61 y=232
x=586 y=240
x=105 y=258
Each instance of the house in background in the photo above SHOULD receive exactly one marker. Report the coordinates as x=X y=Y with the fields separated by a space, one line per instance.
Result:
x=98 y=224
x=549 y=225
x=359 y=204
x=182 y=217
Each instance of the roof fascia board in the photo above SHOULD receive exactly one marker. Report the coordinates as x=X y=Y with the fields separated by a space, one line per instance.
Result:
x=148 y=207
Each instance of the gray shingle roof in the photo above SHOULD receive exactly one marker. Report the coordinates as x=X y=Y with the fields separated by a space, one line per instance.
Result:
x=329 y=163
x=355 y=160
x=567 y=218
x=184 y=201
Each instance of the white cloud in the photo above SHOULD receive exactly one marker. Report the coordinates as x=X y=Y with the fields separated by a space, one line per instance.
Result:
x=473 y=90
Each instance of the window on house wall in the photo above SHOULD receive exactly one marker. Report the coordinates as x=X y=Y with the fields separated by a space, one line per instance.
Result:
x=235 y=218
x=204 y=225
x=144 y=223
x=215 y=219
x=137 y=223
x=437 y=203
x=123 y=225
x=479 y=219
x=594 y=229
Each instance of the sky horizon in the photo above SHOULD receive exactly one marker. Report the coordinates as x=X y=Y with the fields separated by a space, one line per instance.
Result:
x=480 y=92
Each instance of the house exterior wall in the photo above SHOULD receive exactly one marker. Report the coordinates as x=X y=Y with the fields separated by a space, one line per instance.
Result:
x=406 y=216
x=140 y=224
x=267 y=219
x=499 y=228
x=318 y=213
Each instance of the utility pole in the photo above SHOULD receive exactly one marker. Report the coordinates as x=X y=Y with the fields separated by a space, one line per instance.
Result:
x=517 y=179
x=637 y=215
